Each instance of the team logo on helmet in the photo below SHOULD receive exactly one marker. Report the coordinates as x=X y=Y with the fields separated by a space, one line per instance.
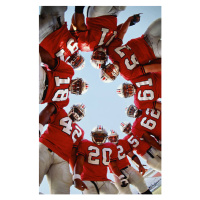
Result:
x=131 y=111
x=126 y=90
x=77 y=111
x=109 y=73
x=78 y=86
x=113 y=137
x=99 y=135
x=125 y=127
x=98 y=58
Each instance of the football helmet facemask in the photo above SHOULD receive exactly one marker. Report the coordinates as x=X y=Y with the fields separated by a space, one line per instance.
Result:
x=125 y=127
x=77 y=61
x=98 y=58
x=77 y=111
x=113 y=137
x=99 y=135
x=109 y=73
x=132 y=111
x=126 y=90
x=78 y=86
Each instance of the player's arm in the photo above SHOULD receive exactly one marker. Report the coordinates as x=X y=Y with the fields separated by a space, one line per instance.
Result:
x=72 y=159
x=122 y=177
x=77 y=173
x=153 y=67
x=47 y=59
x=78 y=19
x=45 y=115
x=151 y=141
x=136 y=160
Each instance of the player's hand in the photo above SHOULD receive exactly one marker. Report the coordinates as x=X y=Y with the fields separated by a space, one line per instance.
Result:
x=80 y=185
x=135 y=19
x=142 y=170
x=124 y=181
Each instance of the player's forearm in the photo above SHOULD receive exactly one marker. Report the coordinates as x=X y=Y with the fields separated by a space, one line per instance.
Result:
x=123 y=28
x=151 y=141
x=78 y=22
x=155 y=67
x=158 y=105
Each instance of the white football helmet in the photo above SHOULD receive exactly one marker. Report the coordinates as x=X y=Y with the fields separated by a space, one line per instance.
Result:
x=77 y=61
x=126 y=90
x=99 y=135
x=78 y=86
x=77 y=112
x=131 y=111
x=125 y=127
x=113 y=137
x=109 y=73
x=98 y=58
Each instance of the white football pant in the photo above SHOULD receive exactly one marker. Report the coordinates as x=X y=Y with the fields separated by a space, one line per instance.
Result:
x=134 y=178
x=57 y=170
x=155 y=162
x=97 y=11
x=100 y=187
x=153 y=37
x=48 y=20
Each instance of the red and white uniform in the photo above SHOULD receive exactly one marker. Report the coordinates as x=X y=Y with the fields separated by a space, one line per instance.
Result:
x=58 y=85
x=134 y=52
x=134 y=177
x=100 y=31
x=60 y=43
x=62 y=134
x=148 y=90
x=123 y=148
x=97 y=159
x=136 y=143
x=55 y=150
x=149 y=121
x=142 y=148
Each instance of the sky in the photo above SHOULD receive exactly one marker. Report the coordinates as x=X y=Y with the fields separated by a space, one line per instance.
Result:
x=103 y=105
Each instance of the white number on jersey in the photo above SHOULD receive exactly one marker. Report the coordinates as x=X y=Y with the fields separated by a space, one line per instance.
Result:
x=103 y=35
x=149 y=123
x=133 y=58
x=62 y=94
x=134 y=142
x=72 y=47
x=106 y=152
x=77 y=132
x=67 y=123
x=120 y=151
x=147 y=94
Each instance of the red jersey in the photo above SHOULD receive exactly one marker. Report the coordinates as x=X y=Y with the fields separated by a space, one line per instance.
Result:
x=59 y=81
x=148 y=90
x=62 y=134
x=134 y=52
x=123 y=148
x=97 y=159
x=60 y=43
x=137 y=143
x=100 y=31
x=149 y=121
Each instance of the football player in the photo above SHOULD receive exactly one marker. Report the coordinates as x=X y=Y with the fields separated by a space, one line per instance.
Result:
x=137 y=57
x=133 y=176
x=148 y=120
x=59 y=42
x=90 y=173
x=100 y=27
x=58 y=145
x=56 y=84
x=144 y=145
x=146 y=90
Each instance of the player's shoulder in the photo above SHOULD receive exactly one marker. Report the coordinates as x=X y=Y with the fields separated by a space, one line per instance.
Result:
x=109 y=145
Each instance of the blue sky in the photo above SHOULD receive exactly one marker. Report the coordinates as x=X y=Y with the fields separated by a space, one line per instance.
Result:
x=103 y=105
